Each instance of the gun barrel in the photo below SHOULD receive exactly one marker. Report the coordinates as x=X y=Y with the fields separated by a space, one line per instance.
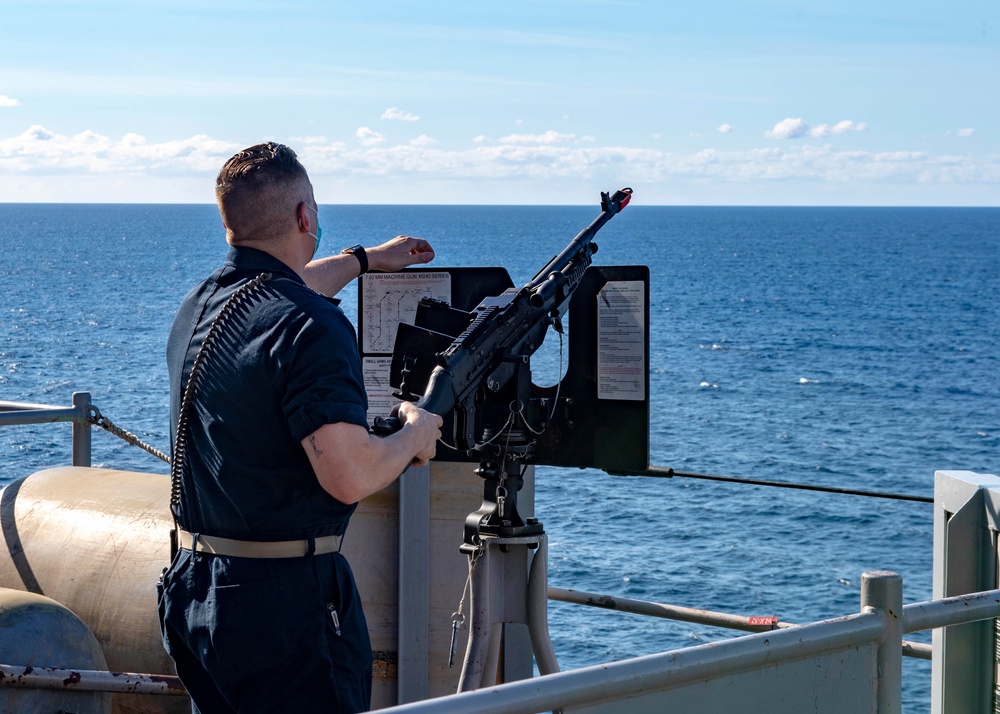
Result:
x=546 y=285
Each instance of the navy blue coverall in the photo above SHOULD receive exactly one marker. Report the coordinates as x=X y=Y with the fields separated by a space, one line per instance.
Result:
x=251 y=634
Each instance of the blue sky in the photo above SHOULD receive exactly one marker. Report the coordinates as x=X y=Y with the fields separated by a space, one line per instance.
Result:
x=716 y=102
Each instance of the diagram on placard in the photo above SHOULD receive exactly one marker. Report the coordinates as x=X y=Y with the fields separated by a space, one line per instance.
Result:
x=391 y=298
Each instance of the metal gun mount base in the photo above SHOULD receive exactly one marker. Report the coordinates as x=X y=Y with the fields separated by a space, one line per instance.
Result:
x=498 y=516
x=505 y=590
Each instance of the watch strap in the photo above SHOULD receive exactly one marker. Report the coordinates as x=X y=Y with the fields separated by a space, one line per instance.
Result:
x=358 y=251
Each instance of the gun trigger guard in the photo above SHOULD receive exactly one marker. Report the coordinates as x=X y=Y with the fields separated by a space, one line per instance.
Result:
x=384 y=426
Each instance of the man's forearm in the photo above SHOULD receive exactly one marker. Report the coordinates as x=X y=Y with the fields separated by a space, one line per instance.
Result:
x=330 y=275
x=352 y=464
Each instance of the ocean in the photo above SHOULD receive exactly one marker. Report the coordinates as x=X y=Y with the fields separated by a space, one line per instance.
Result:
x=849 y=347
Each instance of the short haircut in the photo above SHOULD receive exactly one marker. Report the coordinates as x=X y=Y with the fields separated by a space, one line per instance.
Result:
x=259 y=190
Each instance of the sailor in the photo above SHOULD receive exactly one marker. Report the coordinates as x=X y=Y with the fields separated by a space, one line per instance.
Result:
x=258 y=608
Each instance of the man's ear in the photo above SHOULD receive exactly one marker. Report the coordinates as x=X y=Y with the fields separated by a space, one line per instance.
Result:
x=301 y=217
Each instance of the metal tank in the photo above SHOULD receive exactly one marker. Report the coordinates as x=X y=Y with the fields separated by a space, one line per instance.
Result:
x=36 y=632
x=95 y=540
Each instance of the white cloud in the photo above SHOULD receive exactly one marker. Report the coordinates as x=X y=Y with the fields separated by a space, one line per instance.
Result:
x=480 y=139
x=549 y=137
x=369 y=137
x=788 y=129
x=49 y=159
x=6 y=101
x=725 y=129
x=797 y=128
x=966 y=133
x=40 y=151
x=822 y=165
x=423 y=140
x=395 y=113
x=842 y=127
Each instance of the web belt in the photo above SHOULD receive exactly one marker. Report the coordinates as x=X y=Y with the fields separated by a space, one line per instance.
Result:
x=258 y=549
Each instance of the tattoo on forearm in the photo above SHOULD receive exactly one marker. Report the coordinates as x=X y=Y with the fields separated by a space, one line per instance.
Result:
x=317 y=452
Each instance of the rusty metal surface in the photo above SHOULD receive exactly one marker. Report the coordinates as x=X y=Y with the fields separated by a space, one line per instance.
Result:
x=20 y=676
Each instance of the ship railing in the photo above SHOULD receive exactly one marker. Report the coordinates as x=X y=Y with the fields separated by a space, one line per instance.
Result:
x=854 y=661
x=918 y=650
x=851 y=663
x=14 y=413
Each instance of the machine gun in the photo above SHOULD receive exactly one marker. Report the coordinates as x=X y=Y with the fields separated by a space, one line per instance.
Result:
x=473 y=368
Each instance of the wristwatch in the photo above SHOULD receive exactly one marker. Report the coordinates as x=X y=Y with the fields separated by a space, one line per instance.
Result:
x=358 y=251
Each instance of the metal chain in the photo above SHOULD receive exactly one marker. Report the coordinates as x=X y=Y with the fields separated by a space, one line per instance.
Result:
x=95 y=417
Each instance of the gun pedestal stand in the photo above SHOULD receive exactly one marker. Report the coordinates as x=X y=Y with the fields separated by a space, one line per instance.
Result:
x=504 y=591
x=503 y=587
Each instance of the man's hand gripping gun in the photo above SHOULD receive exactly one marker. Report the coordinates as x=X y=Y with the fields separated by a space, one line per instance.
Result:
x=498 y=336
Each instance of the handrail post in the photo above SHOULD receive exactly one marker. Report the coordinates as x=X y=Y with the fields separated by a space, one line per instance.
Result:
x=81 y=430
x=883 y=591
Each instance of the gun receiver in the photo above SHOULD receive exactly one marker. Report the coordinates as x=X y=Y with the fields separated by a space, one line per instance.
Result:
x=500 y=334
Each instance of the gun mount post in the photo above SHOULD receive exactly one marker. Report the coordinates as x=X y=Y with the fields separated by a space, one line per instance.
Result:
x=506 y=590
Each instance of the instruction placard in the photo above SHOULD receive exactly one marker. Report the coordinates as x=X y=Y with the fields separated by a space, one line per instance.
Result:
x=380 y=399
x=391 y=298
x=621 y=341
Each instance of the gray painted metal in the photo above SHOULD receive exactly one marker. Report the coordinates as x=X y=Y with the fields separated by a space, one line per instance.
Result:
x=538 y=609
x=412 y=683
x=966 y=505
x=976 y=607
x=501 y=589
x=620 y=682
x=36 y=414
x=882 y=592
x=6 y=406
x=81 y=430
x=917 y=650
x=850 y=664
x=19 y=413
x=671 y=612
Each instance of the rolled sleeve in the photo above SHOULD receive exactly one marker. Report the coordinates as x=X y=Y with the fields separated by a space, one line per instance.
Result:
x=310 y=417
x=324 y=381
